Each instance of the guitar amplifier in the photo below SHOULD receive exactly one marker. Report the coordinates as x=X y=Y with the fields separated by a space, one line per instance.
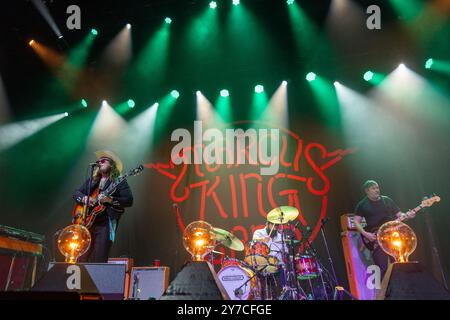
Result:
x=129 y=264
x=348 y=222
x=148 y=283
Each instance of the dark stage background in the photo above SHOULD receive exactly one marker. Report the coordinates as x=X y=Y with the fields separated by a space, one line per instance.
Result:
x=401 y=143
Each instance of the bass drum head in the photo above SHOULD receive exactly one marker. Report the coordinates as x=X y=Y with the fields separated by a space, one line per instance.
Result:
x=233 y=277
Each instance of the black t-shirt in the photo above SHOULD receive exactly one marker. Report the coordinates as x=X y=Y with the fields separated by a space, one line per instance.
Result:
x=376 y=212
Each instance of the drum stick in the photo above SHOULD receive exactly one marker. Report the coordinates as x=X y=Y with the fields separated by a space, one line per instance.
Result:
x=273 y=226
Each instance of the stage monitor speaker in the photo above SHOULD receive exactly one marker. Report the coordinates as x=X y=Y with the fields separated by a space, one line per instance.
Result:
x=196 y=281
x=106 y=280
x=410 y=281
x=148 y=283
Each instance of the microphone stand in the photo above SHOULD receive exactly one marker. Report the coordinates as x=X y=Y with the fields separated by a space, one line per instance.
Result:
x=322 y=223
x=177 y=211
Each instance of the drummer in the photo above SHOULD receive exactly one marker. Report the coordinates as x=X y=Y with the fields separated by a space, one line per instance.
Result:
x=270 y=235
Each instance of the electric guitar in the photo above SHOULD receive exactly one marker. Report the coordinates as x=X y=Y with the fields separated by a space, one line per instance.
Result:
x=427 y=202
x=79 y=216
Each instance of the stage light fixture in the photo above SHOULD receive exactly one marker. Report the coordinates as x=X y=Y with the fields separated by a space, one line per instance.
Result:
x=31 y=42
x=131 y=103
x=168 y=20
x=236 y=2
x=94 y=32
x=368 y=75
x=311 y=76
x=259 y=88
x=224 y=93
x=175 y=94
x=84 y=103
x=289 y=2
x=429 y=63
x=213 y=5
x=128 y=26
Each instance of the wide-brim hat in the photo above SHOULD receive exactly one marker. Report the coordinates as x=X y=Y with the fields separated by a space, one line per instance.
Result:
x=111 y=155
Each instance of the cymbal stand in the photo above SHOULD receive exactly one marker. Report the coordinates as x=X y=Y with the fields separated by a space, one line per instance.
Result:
x=288 y=292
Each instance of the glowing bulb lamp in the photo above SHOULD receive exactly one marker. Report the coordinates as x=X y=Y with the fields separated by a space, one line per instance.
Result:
x=397 y=240
x=73 y=242
x=198 y=239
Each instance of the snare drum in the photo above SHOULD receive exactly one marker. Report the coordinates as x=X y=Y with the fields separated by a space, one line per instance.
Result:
x=256 y=254
x=306 y=267
x=235 y=281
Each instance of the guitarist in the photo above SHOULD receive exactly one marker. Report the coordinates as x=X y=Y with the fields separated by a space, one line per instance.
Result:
x=377 y=210
x=108 y=168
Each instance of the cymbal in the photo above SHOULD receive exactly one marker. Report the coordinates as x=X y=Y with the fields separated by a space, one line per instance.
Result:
x=228 y=239
x=282 y=215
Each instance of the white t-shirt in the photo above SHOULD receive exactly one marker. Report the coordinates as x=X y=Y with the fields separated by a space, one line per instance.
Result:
x=274 y=244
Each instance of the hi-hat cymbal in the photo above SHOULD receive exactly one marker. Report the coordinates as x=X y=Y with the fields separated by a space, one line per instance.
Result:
x=228 y=239
x=282 y=215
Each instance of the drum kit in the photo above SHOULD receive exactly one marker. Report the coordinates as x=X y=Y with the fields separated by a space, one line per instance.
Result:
x=271 y=269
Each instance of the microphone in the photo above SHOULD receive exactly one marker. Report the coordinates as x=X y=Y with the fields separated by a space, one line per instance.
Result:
x=238 y=292
x=94 y=164
x=175 y=206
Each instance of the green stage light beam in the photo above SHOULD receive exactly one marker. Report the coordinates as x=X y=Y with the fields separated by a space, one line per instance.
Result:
x=303 y=28
x=259 y=104
x=440 y=66
x=151 y=62
x=78 y=55
x=325 y=94
x=223 y=106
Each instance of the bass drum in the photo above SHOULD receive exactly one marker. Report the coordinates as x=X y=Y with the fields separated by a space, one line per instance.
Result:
x=233 y=279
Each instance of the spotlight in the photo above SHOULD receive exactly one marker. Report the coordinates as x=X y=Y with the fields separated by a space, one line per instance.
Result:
x=128 y=26
x=236 y=2
x=131 y=103
x=284 y=83
x=402 y=66
x=429 y=63
x=368 y=75
x=104 y=103
x=156 y=104
x=224 y=93
x=289 y=2
x=94 y=32
x=213 y=4
x=311 y=76
x=66 y=114
x=168 y=20
x=259 y=88
x=336 y=83
x=198 y=93
x=31 y=42
x=175 y=94
x=84 y=103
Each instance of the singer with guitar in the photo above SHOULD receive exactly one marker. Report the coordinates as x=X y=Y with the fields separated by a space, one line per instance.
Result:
x=108 y=168
x=377 y=210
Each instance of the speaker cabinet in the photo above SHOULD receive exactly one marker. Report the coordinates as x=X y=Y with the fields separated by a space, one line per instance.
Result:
x=148 y=283
x=196 y=281
x=357 y=259
x=410 y=281
x=103 y=279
